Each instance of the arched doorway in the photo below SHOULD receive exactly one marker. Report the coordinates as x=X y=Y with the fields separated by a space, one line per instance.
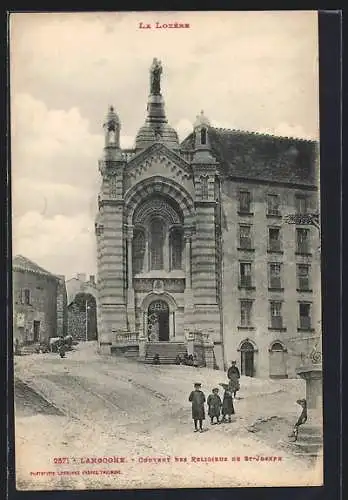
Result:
x=247 y=364
x=158 y=321
x=277 y=361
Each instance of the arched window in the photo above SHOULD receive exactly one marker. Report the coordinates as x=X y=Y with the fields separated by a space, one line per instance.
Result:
x=204 y=181
x=157 y=238
x=138 y=251
x=203 y=136
x=277 y=346
x=176 y=249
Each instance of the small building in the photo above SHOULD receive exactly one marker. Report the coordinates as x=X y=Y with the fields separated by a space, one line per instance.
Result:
x=39 y=303
x=82 y=307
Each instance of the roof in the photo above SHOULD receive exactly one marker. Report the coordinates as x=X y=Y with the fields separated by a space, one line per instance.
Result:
x=20 y=263
x=262 y=157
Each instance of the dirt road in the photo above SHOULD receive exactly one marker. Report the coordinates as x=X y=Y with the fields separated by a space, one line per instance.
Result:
x=111 y=407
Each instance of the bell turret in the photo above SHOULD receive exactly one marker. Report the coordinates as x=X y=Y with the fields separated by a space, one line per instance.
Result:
x=202 y=143
x=112 y=127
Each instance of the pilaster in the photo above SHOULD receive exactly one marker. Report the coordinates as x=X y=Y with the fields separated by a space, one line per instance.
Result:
x=130 y=288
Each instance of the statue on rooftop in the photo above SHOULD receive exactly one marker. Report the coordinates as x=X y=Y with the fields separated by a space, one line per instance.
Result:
x=155 y=77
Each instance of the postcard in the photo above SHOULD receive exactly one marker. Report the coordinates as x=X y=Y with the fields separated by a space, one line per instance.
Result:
x=166 y=249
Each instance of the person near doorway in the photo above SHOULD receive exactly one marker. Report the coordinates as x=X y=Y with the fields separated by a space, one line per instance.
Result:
x=156 y=359
x=233 y=376
x=227 y=406
x=178 y=360
x=197 y=398
x=214 y=404
x=62 y=350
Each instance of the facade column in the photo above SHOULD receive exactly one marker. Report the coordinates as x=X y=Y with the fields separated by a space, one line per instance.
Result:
x=171 y=325
x=188 y=277
x=188 y=296
x=130 y=289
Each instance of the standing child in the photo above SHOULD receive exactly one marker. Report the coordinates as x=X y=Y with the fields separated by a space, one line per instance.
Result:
x=214 y=404
x=197 y=398
x=227 y=406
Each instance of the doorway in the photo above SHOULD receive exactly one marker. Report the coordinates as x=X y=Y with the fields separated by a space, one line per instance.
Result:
x=36 y=328
x=247 y=359
x=277 y=361
x=158 y=321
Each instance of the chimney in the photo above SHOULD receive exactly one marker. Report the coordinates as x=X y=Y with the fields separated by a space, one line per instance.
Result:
x=81 y=277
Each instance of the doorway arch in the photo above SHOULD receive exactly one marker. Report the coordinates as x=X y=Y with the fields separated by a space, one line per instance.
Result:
x=277 y=360
x=247 y=362
x=158 y=321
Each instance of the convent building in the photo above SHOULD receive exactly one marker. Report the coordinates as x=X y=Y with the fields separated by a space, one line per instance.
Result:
x=194 y=252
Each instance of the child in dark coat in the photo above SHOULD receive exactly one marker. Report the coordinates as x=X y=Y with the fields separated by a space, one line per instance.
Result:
x=227 y=406
x=197 y=398
x=214 y=404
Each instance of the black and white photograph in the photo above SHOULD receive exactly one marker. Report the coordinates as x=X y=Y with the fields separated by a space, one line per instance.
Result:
x=166 y=249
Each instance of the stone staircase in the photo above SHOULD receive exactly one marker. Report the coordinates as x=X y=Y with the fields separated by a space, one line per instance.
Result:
x=309 y=442
x=167 y=351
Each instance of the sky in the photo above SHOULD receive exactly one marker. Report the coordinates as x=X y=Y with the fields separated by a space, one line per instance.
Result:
x=255 y=71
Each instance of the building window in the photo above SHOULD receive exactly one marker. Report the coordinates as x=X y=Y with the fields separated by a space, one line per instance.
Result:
x=302 y=240
x=303 y=276
x=245 y=312
x=245 y=237
x=244 y=202
x=138 y=251
x=25 y=297
x=204 y=181
x=203 y=136
x=157 y=239
x=305 y=316
x=275 y=275
x=276 y=315
x=273 y=204
x=176 y=246
x=301 y=204
x=274 y=242
x=245 y=275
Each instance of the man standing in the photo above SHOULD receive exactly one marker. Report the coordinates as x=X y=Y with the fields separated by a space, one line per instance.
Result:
x=197 y=398
x=233 y=375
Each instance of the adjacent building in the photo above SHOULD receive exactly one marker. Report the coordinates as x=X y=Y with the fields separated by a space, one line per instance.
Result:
x=39 y=303
x=193 y=248
x=82 y=307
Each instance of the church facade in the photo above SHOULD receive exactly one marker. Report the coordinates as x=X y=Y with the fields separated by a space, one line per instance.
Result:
x=194 y=254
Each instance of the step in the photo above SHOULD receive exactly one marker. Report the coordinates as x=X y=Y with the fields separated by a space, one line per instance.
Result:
x=309 y=438
x=167 y=351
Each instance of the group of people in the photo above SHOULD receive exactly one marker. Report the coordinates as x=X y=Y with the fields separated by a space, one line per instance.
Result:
x=216 y=407
x=187 y=359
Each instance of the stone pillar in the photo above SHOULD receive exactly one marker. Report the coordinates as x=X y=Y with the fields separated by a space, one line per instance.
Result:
x=188 y=294
x=190 y=342
x=142 y=347
x=171 y=325
x=188 y=276
x=130 y=289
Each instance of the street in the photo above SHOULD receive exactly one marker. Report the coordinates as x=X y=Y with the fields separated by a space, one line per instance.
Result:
x=87 y=421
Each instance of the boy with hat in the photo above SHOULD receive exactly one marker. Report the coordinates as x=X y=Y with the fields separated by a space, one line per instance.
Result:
x=197 y=398
x=214 y=404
